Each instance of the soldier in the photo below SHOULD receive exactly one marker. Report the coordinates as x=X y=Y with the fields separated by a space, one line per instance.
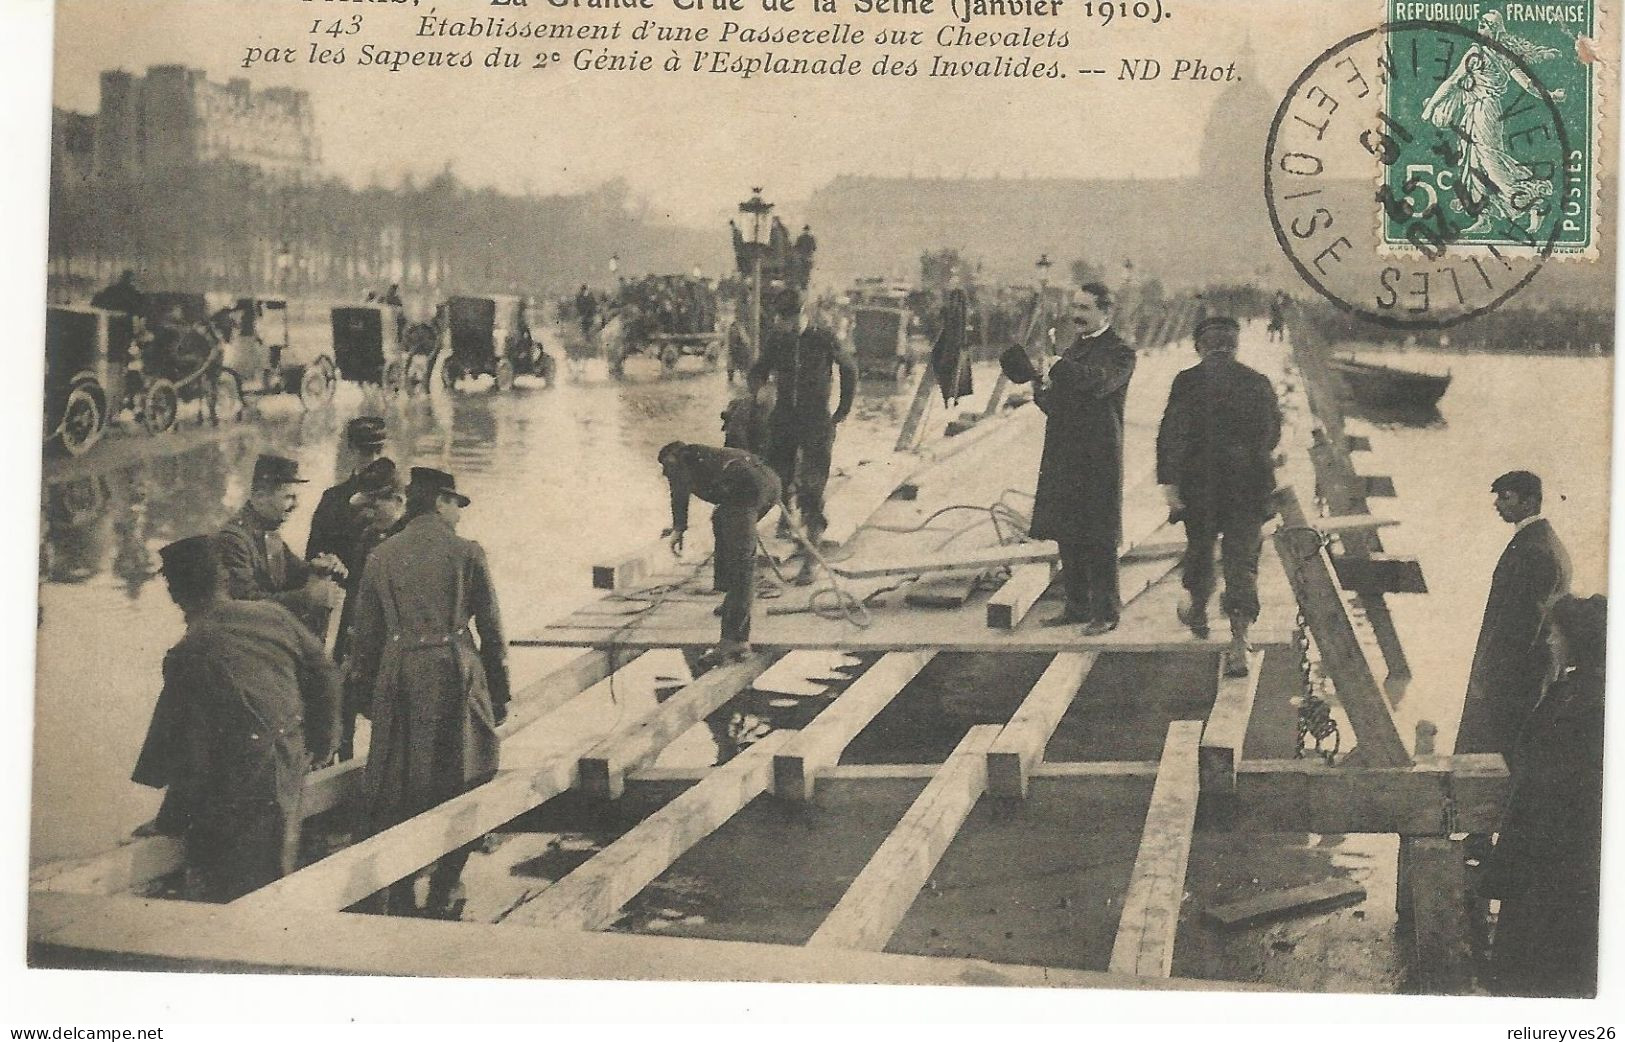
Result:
x=1214 y=462
x=249 y=701
x=799 y=358
x=375 y=509
x=435 y=698
x=743 y=488
x=333 y=528
x=259 y=565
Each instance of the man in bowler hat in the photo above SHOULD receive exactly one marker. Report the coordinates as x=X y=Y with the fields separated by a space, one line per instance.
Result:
x=435 y=696
x=259 y=565
x=249 y=701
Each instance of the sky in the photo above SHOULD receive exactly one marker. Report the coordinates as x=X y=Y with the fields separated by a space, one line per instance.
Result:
x=689 y=145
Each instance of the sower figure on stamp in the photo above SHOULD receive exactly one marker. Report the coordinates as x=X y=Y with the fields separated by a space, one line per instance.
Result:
x=259 y=565
x=799 y=357
x=435 y=698
x=249 y=701
x=1512 y=661
x=1079 y=502
x=1214 y=463
x=743 y=488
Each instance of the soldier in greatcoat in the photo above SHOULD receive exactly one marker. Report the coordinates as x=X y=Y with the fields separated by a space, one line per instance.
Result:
x=1079 y=502
x=1215 y=464
x=435 y=696
x=249 y=701
x=259 y=565
x=1512 y=662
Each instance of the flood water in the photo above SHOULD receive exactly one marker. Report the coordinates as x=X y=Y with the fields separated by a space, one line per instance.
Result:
x=561 y=475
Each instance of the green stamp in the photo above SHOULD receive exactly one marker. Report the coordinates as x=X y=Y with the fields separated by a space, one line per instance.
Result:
x=1491 y=114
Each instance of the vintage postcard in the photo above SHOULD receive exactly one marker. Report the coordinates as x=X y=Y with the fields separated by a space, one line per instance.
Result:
x=1068 y=494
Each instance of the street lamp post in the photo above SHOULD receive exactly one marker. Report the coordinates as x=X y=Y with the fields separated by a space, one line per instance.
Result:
x=758 y=208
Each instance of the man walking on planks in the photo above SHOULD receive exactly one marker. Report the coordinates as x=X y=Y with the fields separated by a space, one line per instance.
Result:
x=1079 y=502
x=1512 y=661
x=249 y=701
x=435 y=698
x=1215 y=465
x=743 y=489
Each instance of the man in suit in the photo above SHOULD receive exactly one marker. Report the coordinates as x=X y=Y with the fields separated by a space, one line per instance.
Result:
x=259 y=565
x=1079 y=501
x=333 y=527
x=434 y=696
x=1512 y=661
x=249 y=701
x=1214 y=463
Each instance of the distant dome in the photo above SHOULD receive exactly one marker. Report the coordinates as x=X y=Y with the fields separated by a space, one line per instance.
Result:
x=1233 y=144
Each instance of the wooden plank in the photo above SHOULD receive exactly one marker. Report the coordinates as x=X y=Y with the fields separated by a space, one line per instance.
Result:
x=1021 y=742
x=1165 y=640
x=1379 y=573
x=1439 y=908
x=1011 y=602
x=623 y=572
x=1144 y=945
x=909 y=433
x=1226 y=730
x=996 y=397
x=876 y=902
x=819 y=745
x=1378 y=486
x=949 y=591
x=1356 y=443
x=1342 y=523
x=603 y=771
x=865 y=491
x=590 y=897
x=1341 y=655
x=1283 y=904
x=181 y=934
x=1438 y=796
x=972 y=560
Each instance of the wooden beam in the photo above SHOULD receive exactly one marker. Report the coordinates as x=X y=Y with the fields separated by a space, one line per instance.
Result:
x=1282 y=904
x=603 y=770
x=1021 y=742
x=1437 y=796
x=1226 y=731
x=1438 y=906
x=1165 y=641
x=1356 y=443
x=948 y=591
x=866 y=490
x=1145 y=934
x=974 y=560
x=620 y=573
x=1378 y=486
x=818 y=746
x=1379 y=573
x=183 y=934
x=909 y=433
x=996 y=397
x=1341 y=655
x=590 y=897
x=1011 y=602
x=875 y=904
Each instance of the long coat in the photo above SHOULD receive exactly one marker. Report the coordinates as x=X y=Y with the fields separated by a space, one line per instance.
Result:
x=259 y=566
x=1217 y=438
x=333 y=529
x=1080 y=478
x=249 y=698
x=430 y=689
x=1511 y=662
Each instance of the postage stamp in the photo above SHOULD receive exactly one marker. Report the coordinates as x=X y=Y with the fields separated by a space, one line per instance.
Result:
x=1480 y=171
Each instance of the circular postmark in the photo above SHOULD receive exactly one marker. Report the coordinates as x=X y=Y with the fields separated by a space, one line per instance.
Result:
x=1413 y=173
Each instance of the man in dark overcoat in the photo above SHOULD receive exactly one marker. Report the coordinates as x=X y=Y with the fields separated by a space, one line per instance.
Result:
x=249 y=701
x=1079 y=502
x=1215 y=464
x=333 y=527
x=1512 y=662
x=259 y=565
x=434 y=695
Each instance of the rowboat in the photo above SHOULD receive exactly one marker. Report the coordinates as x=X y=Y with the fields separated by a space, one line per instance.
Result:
x=1383 y=385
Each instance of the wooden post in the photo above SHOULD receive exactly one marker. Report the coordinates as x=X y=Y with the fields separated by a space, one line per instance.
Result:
x=818 y=746
x=1341 y=655
x=1012 y=601
x=1021 y=742
x=874 y=906
x=910 y=432
x=1150 y=922
x=1226 y=732
x=1434 y=874
x=589 y=897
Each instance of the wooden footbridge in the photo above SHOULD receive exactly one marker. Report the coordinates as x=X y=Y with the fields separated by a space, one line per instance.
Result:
x=1102 y=826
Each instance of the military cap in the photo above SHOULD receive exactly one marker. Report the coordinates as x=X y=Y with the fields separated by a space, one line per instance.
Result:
x=276 y=470
x=193 y=564
x=365 y=432
x=1217 y=322
x=1017 y=366
x=379 y=478
x=427 y=480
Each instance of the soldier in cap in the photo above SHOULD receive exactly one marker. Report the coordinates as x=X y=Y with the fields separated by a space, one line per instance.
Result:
x=333 y=529
x=259 y=565
x=249 y=701
x=434 y=695
x=802 y=430
x=1215 y=464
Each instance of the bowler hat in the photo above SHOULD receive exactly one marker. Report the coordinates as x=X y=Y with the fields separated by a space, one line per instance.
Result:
x=379 y=478
x=1216 y=322
x=365 y=432
x=276 y=470
x=428 y=480
x=1017 y=366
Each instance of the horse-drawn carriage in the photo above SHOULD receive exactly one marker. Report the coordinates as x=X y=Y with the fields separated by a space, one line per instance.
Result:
x=374 y=345
x=665 y=318
x=87 y=356
x=257 y=353
x=487 y=336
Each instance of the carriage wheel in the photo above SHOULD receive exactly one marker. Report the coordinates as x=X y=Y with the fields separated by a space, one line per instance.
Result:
x=394 y=378
x=546 y=368
x=504 y=375
x=315 y=386
x=83 y=419
x=417 y=374
x=669 y=356
x=160 y=406
x=227 y=396
x=331 y=371
x=450 y=373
